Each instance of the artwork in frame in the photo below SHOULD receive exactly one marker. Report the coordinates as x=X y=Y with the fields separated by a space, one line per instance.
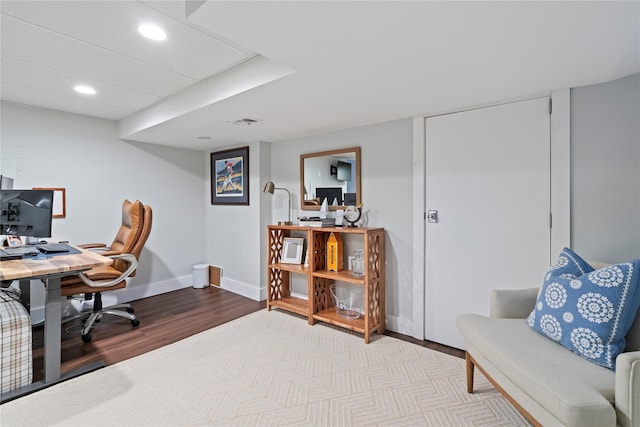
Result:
x=292 y=250
x=59 y=209
x=230 y=177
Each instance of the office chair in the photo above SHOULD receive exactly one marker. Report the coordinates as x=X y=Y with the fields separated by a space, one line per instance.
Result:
x=125 y=250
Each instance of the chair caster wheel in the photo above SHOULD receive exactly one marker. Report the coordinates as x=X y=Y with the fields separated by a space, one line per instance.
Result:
x=135 y=323
x=130 y=310
x=86 y=338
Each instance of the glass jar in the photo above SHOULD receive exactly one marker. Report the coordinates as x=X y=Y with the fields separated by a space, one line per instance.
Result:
x=357 y=265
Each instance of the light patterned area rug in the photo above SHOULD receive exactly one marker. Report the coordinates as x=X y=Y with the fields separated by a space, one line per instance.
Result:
x=272 y=369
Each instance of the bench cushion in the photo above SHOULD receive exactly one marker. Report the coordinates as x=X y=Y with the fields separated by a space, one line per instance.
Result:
x=574 y=390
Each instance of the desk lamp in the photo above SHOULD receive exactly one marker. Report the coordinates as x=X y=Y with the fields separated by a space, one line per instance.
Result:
x=270 y=187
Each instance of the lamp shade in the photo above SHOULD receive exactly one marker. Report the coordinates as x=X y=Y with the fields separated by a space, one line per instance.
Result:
x=269 y=187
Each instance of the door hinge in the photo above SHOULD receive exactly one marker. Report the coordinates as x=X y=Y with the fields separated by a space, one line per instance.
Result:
x=550 y=220
x=550 y=105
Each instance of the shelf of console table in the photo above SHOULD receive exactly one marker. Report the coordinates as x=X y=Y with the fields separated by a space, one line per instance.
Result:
x=342 y=275
x=292 y=304
x=330 y=316
x=294 y=268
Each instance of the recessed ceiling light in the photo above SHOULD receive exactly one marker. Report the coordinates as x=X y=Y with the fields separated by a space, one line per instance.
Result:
x=152 y=32
x=204 y=138
x=84 y=89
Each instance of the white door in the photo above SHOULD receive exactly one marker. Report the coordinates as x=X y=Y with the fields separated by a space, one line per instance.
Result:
x=488 y=178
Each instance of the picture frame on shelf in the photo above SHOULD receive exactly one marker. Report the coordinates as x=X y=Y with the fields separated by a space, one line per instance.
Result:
x=292 y=250
x=230 y=177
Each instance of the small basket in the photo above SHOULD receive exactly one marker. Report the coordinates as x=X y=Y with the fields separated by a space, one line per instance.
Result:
x=347 y=300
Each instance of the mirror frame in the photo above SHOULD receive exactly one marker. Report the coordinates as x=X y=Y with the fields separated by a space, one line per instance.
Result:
x=356 y=151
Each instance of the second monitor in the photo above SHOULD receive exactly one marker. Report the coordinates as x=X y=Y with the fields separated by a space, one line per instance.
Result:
x=329 y=193
x=26 y=212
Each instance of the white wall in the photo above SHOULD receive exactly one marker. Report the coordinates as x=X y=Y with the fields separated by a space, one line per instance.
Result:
x=46 y=148
x=233 y=233
x=387 y=176
x=605 y=170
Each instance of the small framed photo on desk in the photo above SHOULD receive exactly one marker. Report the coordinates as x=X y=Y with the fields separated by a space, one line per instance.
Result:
x=14 y=241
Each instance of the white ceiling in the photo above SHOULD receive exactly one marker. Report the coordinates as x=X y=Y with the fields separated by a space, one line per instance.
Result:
x=302 y=67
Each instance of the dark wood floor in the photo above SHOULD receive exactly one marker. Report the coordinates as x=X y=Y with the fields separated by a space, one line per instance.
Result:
x=164 y=319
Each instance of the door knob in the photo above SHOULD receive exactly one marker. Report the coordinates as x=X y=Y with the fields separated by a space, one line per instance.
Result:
x=432 y=216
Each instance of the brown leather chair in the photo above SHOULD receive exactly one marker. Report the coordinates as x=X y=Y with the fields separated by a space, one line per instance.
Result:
x=130 y=239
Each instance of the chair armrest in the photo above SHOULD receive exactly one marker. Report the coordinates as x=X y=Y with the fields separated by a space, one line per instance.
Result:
x=99 y=248
x=91 y=245
x=128 y=258
x=627 y=399
x=512 y=303
x=104 y=252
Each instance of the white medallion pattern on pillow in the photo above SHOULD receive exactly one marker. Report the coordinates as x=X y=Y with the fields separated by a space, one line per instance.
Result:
x=607 y=277
x=555 y=295
x=587 y=342
x=595 y=308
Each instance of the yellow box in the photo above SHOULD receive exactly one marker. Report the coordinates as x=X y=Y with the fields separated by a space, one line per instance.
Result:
x=334 y=252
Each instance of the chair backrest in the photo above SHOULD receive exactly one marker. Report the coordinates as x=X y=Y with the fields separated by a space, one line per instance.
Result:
x=129 y=231
x=147 y=220
x=130 y=228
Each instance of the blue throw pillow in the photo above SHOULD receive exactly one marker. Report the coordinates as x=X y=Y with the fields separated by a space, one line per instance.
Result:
x=588 y=311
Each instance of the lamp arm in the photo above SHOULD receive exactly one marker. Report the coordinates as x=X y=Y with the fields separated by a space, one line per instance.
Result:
x=289 y=193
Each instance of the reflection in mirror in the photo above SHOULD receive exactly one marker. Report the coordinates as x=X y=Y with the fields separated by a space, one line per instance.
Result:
x=332 y=175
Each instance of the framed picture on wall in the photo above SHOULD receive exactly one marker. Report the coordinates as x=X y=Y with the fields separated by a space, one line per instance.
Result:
x=230 y=177
x=59 y=201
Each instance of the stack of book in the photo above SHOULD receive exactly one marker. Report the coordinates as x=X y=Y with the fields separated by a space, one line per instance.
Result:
x=317 y=222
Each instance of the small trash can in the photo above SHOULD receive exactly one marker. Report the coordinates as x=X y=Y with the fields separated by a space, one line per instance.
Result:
x=200 y=275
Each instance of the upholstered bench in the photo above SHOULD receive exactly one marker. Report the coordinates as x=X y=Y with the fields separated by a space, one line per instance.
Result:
x=16 y=365
x=548 y=381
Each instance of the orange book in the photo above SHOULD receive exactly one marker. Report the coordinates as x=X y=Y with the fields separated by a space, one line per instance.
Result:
x=334 y=252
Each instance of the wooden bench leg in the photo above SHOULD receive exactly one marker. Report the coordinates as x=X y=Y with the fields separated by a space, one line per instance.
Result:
x=470 y=370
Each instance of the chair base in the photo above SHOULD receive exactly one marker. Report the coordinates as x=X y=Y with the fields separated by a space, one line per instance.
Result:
x=121 y=310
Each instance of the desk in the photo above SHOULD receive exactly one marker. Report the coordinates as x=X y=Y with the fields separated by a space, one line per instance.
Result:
x=50 y=270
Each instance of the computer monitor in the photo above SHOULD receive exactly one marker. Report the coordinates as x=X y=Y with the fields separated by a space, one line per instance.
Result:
x=6 y=183
x=349 y=199
x=330 y=193
x=26 y=212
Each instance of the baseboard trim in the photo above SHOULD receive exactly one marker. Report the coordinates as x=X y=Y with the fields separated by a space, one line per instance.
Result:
x=135 y=291
x=399 y=324
x=132 y=292
x=243 y=289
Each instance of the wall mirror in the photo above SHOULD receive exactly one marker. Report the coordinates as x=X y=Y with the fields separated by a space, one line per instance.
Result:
x=333 y=175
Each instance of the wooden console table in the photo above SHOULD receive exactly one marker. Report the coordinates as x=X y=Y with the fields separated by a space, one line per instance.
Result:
x=320 y=306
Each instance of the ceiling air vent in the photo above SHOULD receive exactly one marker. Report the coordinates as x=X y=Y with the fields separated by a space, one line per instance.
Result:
x=244 y=122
